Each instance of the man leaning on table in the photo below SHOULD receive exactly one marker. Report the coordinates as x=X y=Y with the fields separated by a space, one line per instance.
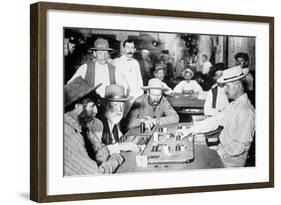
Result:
x=152 y=108
x=237 y=119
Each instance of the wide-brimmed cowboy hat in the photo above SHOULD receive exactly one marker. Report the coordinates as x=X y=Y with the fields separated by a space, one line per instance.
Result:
x=155 y=83
x=101 y=45
x=77 y=89
x=187 y=70
x=233 y=74
x=116 y=93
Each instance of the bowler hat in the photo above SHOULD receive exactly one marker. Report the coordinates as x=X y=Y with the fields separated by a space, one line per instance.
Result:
x=101 y=45
x=155 y=83
x=116 y=92
x=77 y=89
x=233 y=74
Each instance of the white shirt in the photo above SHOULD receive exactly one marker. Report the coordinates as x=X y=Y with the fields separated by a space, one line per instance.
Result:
x=238 y=120
x=130 y=70
x=101 y=76
x=222 y=101
x=191 y=85
x=206 y=67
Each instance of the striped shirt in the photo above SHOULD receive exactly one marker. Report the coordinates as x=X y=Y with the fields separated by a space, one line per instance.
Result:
x=238 y=120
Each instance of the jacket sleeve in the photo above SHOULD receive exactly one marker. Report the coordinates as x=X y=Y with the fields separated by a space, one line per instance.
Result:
x=171 y=115
x=133 y=118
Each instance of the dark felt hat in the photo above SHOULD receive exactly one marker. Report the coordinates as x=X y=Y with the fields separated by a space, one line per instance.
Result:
x=77 y=89
x=101 y=45
x=116 y=92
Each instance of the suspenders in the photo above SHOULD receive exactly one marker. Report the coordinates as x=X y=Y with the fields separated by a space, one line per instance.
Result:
x=214 y=94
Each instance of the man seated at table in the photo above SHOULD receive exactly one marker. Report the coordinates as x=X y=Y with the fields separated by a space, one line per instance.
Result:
x=114 y=110
x=188 y=86
x=237 y=119
x=84 y=154
x=160 y=74
x=151 y=108
x=216 y=99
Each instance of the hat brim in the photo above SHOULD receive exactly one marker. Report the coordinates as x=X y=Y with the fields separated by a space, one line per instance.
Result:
x=157 y=88
x=102 y=49
x=83 y=94
x=188 y=71
x=245 y=72
x=119 y=99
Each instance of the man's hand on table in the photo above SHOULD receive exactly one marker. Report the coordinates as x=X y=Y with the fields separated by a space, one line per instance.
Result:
x=129 y=146
x=184 y=132
x=149 y=122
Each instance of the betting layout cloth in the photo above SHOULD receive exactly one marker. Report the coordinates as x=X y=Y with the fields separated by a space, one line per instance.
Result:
x=162 y=146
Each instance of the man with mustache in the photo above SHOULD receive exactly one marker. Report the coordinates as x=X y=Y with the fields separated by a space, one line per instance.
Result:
x=130 y=69
x=237 y=120
x=84 y=154
x=152 y=108
x=115 y=99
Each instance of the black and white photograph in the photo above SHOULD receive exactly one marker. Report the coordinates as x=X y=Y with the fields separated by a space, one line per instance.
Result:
x=142 y=101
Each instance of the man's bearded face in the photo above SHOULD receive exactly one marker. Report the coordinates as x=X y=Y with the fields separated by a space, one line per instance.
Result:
x=114 y=111
x=155 y=96
x=88 y=113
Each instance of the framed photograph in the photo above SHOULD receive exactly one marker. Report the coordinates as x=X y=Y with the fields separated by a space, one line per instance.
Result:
x=134 y=102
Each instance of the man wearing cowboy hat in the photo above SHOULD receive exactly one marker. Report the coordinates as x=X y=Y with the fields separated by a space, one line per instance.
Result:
x=188 y=86
x=100 y=70
x=84 y=154
x=115 y=99
x=237 y=119
x=152 y=108
x=216 y=99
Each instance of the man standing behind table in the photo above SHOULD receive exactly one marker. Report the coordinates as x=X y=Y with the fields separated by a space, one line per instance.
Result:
x=242 y=59
x=237 y=119
x=114 y=110
x=100 y=70
x=130 y=69
x=188 y=86
x=152 y=108
x=216 y=99
x=84 y=154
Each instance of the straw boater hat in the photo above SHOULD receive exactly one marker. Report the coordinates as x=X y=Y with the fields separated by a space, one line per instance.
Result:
x=155 y=83
x=233 y=74
x=189 y=71
x=116 y=93
x=77 y=89
x=101 y=45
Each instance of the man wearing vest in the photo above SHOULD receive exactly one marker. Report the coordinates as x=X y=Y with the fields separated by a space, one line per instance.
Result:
x=100 y=70
x=114 y=111
x=216 y=99
x=84 y=153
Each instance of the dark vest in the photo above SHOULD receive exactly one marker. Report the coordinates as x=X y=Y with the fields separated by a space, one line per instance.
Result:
x=106 y=135
x=90 y=74
x=214 y=94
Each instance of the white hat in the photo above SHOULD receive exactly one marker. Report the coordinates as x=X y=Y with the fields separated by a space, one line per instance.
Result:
x=187 y=70
x=155 y=83
x=233 y=74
